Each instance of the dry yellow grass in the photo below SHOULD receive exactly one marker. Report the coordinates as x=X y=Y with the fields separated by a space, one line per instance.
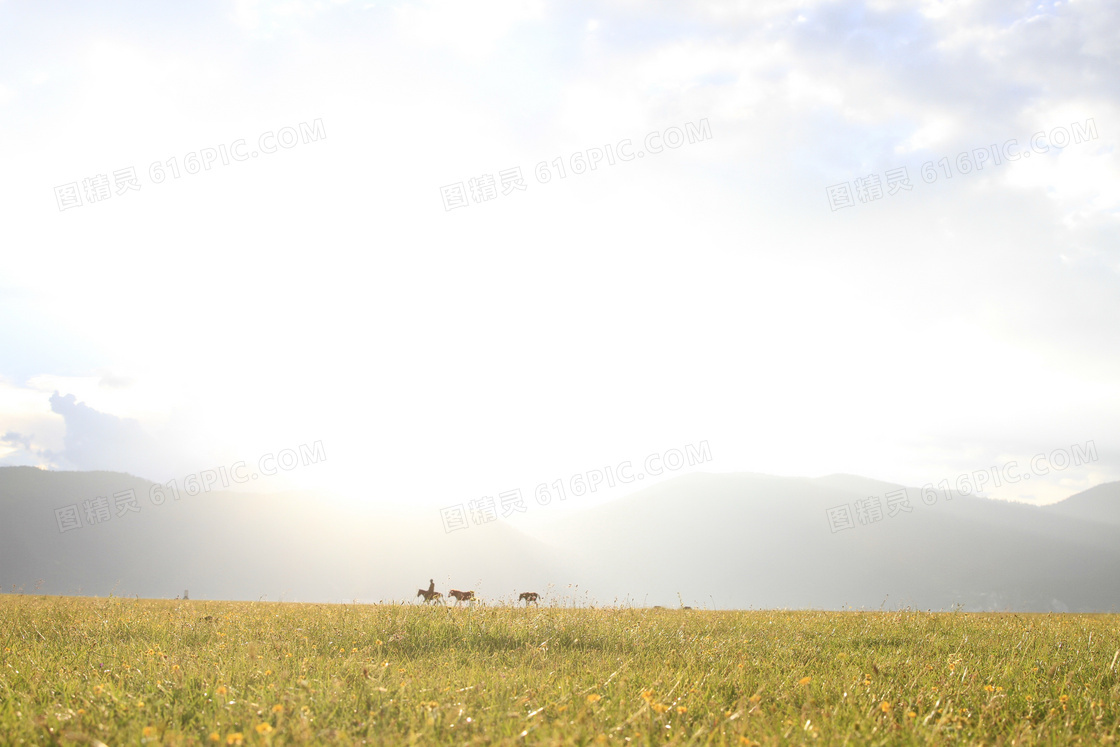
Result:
x=120 y=671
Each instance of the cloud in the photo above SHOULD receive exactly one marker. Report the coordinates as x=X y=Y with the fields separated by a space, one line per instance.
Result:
x=23 y=452
x=973 y=307
x=110 y=380
x=265 y=17
x=99 y=441
x=32 y=434
x=471 y=29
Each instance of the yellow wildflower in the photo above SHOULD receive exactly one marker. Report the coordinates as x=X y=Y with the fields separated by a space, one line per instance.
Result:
x=885 y=707
x=220 y=690
x=263 y=728
x=659 y=707
x=805 y=680
x=277 y=708
x=215 y=737
x=594 y=698
x=682 y=709
x=235 y=738
x=149 y=731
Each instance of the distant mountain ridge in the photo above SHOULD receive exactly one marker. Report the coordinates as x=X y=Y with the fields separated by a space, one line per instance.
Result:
x=226 y=545
x=717 y=540
x=750 y=540
x=1100 y=504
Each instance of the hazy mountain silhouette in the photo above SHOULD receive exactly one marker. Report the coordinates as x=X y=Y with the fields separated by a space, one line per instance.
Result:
x=752 y=540
x=226 y=545
x=1099 y=504
x=734 y=540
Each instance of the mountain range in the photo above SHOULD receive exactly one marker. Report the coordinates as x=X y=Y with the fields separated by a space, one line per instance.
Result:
x=704 y=540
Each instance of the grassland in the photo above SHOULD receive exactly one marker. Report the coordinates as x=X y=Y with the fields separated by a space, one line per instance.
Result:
x=121 y=671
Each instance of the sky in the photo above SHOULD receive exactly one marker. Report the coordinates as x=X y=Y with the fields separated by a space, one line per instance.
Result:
x=341 y=270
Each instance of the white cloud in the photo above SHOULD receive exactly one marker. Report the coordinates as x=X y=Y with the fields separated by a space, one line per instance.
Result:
x=26 y=415
x=322 y=293
x=471 y=30
x=266 y=15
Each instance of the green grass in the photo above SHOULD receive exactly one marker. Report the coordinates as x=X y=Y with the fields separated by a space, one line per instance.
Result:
x=120 y=671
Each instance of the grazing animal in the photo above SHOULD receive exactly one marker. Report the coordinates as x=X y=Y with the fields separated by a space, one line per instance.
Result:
x=429 y=594
x=529 y=596
x=461 y=596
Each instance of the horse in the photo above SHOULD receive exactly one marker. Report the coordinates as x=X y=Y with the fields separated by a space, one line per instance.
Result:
x=529 y=596
x=461 y=596
x=429 y=595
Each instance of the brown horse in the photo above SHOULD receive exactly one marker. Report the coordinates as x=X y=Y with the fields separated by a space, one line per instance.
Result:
x=429 y=595
x=529 y=596
x=461 y=596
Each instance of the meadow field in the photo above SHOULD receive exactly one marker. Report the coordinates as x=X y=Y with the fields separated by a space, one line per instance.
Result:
x=124 y=671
